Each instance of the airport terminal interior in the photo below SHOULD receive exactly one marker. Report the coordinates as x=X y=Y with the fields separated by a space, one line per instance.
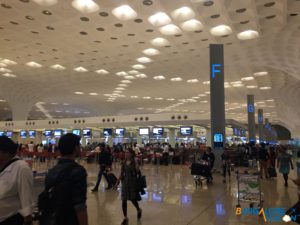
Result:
x=168 y=78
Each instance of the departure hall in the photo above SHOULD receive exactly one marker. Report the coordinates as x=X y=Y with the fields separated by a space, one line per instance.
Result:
x=149 y=112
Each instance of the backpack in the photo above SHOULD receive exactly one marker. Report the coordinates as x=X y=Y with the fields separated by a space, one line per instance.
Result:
x=54 y=202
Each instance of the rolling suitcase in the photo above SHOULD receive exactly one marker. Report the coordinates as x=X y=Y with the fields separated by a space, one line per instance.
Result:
x=112 y=179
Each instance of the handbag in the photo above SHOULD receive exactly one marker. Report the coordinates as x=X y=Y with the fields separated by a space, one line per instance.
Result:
x=141 y=183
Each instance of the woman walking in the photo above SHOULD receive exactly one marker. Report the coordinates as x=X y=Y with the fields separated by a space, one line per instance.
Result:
x=130 y=190
x=283 y=163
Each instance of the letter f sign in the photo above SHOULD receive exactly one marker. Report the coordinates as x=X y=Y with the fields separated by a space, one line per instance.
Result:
x=214 y=70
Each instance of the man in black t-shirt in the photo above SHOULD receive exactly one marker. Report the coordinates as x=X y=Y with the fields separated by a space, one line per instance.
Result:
x=74 y=177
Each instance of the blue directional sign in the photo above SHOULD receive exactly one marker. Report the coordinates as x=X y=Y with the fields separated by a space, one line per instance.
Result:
x=214 y=69
x=250 y=108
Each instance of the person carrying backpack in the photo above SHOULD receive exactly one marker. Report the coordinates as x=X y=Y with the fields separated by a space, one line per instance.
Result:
x=63 y=202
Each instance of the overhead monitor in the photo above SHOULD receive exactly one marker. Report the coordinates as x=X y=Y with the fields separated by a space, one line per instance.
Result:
x=32 y=133
x=120 y=131
x=23 y=134
x=76 y=132
x=57 y=133
x=218 y=140
x=144 y=131
x=9 y=134
x=158 y=131
x=107 y=132
x=186 y=131
x=2 y=133
x=47 y=133
x=87 y=132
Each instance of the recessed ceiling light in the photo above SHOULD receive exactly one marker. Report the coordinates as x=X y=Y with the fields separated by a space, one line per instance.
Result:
x=159 y=42
x=192 y=81
x=121 y=74
x=134 y=96
x=202 y=95
x=4 y=70
x=122 y=85
x=203 y=101
x=93 y=93
x=260 y=74
x=206 y=82
x=144 y=60
x=265 y=88
x=159 y=19
x=247 y=35
x=120 y=88
x=192 y=25
x=138 y=66
x=78 y=93
x=170 y=99
x=133 y=72
x=236 y=82
x=34 y=64
x=66 y=104
x=9 y=75
x=183 y=14
x=102 y=71
x=3 y=65
x=176 y=79
x=126 y=81
x=151 y=51
x=220 y=30
x=141 y=75
x=251 y=86
x=124 y=12
x=237 y=85
x=147 y=97
x=45 y=2
x=170 y=29
x=58 y=67
x=207 y=92
x=159 y=98
x=196 y=97
x=118 y=91
x=8 y=62
x=129 y=77
x=160 y=77
x=247 y=78
x=270 y=100
x=2 y=100
x=85 y=6
x=80 y=69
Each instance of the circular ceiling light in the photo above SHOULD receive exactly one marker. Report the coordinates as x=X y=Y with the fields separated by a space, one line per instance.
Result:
x=192 y=81
x=192 y=25
x=220 y=30
x=170 y=29
x=102 y=71
x=160 y=77
x=138 y=66
x=129 y=77
x=260 y=74
x=144 y=60
x=120 y=88
x=122 y=73
x=176 y=79
x=247 y=78
x=93 y=94
x=134 y=96
x=141 y=75
x=124 y=12
x=251 y=86
x=159 y=98
x=126 y=81
x=122 y=85
x=265 y=88
x=78 y=93
x=133 y=72
x=247 y=35
x=183 y=14
x=9 y=75
x=147 y=97
x=159 y=19
x=151 y=51
x=159 y=42
x=86 y=6
x=46 y=2
x=170 y=99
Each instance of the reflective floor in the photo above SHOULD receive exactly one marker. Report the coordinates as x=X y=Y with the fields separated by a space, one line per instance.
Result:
x=172 y=199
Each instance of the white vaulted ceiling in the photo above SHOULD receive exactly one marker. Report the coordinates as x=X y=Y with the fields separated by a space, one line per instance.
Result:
x=71 y=64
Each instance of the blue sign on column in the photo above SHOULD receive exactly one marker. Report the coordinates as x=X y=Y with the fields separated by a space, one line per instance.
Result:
x=214 y=69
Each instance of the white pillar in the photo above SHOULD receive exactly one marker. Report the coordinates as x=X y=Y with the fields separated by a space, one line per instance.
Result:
x=172 y=137
x=208 y=137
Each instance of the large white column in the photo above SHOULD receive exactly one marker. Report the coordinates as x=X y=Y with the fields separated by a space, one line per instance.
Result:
x=208 y=137
x=172 y=137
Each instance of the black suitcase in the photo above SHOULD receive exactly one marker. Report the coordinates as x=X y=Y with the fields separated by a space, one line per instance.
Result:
x=200 y=170
x=112 y=179
x=272 y=172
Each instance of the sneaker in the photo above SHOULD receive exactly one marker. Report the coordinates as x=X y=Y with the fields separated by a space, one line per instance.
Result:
x=94 y=190
x=139 y=215
x=125 y=222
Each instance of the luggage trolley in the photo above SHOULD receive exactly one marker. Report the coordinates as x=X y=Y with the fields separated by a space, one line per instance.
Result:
x=201 y=171
x=249 y=189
